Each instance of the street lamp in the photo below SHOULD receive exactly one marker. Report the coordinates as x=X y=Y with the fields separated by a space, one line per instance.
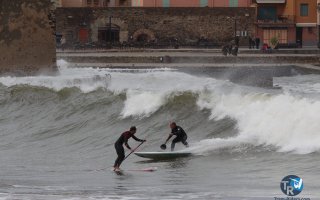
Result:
x=236 y=18
x=110 y=28
x=318 y=24
x=235 y=25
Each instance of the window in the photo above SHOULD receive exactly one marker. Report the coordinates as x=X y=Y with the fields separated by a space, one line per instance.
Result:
x=267 y=13
x=233 y=3
x=281 y=34
x=166 y=3
x=89 y=2
x=304 y=10
x=137 y=3
x=109 y=34
x=104 y=3
x=203 y=3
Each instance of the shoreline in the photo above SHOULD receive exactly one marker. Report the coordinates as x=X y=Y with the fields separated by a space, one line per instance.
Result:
x=304 y=50
x=246 y=68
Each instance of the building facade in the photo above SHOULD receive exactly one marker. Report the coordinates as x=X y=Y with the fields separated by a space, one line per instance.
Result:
x=95 y=3
x=292 y=22
x=155 y=3
x=191 y=3
x=318 y=22
x=306 y=22
x=154 y=26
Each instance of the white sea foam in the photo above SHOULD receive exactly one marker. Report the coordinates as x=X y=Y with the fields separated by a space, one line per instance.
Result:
x=142 y=104
x=86 y=79
x=283 y=121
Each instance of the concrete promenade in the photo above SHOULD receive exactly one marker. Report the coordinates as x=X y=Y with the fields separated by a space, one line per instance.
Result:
x=242 y=50
x=189 y=57
x=250 y=67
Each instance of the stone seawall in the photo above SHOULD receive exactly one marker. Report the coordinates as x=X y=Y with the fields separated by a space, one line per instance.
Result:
x=27 y=42
x=153 y=27
x=213 y=59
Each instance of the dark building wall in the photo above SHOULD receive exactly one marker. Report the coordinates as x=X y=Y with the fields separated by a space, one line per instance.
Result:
x=27 y=44
x=158 y=25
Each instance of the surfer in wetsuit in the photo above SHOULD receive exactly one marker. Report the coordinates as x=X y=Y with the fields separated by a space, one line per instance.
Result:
x=123 y=139
x=180 y=134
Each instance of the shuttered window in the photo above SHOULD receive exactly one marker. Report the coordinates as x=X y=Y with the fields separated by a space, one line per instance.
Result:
x=137 y=3
x=83 y=35
x=203 y=3
x=304 y=10
x=166 y=3
x=89 y=2
x=233 y=3
x=281 y=34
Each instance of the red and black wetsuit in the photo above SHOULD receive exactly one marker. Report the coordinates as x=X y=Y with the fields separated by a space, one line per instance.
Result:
x=123 y=139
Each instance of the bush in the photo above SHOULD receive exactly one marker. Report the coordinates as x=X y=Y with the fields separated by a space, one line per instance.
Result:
x=274 y=41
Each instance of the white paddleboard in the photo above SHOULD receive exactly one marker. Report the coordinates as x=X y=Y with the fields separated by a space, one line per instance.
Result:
x=162 y=155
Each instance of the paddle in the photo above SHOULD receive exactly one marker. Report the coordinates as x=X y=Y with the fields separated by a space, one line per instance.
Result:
x=163 y=146
x=133 y=150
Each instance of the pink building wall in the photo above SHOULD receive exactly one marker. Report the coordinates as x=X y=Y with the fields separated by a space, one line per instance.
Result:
x=218 y=3
x=226 y=3
x=188 y=3
x=244 y=3
x=151 y=3
x=309 y=36
x=184 y=3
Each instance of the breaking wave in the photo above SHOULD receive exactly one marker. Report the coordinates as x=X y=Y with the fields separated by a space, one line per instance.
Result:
x=217 y=114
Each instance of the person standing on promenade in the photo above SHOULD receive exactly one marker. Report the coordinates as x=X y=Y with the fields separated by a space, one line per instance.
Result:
x=257 y=40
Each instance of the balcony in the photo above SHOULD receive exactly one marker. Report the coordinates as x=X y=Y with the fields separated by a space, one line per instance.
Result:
x=279 y=21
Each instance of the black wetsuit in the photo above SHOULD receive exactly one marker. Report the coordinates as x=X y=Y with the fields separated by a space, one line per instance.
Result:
x=123 y=139
x=181 y=137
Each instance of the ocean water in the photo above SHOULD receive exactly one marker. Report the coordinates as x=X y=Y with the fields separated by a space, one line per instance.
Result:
x=57 y=135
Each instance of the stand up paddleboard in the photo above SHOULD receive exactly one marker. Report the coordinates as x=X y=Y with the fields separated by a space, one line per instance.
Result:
x=149 y=169
x=162 y=155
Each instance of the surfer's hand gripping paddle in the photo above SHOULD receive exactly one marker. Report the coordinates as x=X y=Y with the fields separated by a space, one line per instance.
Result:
x=163 y=146
x=134 y=150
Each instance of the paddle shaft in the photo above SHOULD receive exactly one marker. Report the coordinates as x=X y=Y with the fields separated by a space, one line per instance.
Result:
x=133 y=151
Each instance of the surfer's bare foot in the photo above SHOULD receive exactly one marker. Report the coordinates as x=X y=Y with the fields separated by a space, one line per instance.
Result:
x=116 y=169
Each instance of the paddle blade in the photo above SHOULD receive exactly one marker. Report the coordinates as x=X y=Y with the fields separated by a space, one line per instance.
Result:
x=149 y=169
x=163 y=146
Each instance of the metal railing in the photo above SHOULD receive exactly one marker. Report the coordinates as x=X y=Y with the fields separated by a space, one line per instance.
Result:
x=280 y=19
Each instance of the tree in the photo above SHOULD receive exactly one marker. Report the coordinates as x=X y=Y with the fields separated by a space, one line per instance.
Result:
x=274 y=41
